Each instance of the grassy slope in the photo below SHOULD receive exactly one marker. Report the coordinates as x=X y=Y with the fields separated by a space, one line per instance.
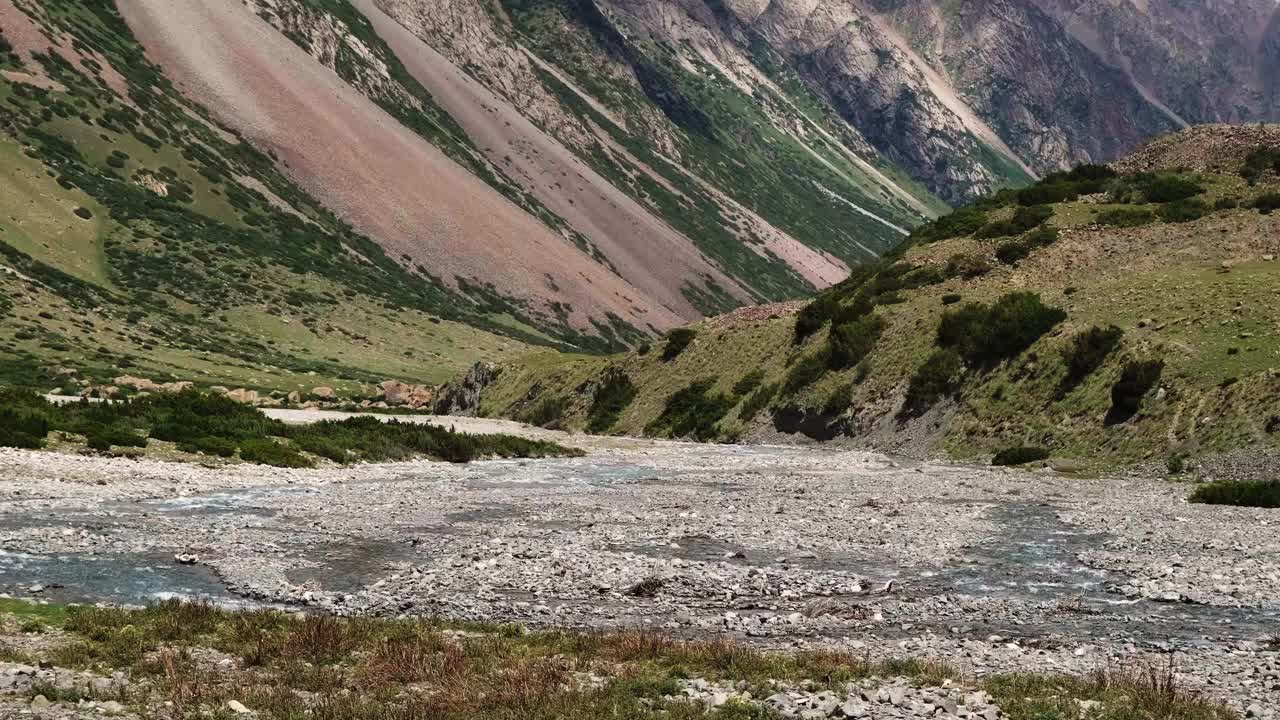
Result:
x=225 y=286
x=1163 y=284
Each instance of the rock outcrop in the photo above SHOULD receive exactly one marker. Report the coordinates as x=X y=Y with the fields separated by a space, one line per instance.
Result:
x=463 y=396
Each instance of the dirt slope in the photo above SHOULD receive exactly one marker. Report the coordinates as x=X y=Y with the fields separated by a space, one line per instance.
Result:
x=379 y=176
x=648 y=252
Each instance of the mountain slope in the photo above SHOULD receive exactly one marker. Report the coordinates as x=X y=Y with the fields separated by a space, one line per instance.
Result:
x=993 y=329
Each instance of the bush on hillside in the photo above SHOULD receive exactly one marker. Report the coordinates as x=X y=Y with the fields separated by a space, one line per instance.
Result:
x=936 y=378
x=1136 y=380
x=813 y=316
x=960 y=222
x=20 y=427
x=1126 y=217
x=1087 y=351
x=1226 y=203
x=984 y=336
x=692 y=411
x=1267 y=203
x=1019 y=456
x=1241 y=493
x=758 y=401
x=547 y=412
x=210 y=445
x=806 y=371
x=677 y=341
x=1024 y=219
x=1181 y=211
x=748 y=382
x=839 y=400
x=967 y=266
x=850 y=342
x=612 y=397
x=951 y=298
x=1258 y=162
x=1169 y=188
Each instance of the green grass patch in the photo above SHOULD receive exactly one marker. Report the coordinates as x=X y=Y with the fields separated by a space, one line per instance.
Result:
x=1241 y=493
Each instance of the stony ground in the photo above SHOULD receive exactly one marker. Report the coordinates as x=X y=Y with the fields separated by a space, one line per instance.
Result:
x=789 y=548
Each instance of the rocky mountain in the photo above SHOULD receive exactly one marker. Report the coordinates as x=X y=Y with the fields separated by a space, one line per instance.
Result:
x=1106 y=315
x=584 y=174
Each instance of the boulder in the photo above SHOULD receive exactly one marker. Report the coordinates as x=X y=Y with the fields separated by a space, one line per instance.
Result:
x=243 y=395
x=177 y=387
x=137 y=383
x=324 y=392
x=294 y=397
x=394 y=392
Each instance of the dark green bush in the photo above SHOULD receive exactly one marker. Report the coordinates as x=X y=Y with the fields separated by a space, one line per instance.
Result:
x=1087 y=351
x=210 y=445
x=1019 y=455
x=813 y=316
x=984 y=336
x=1168 y=188
x=1136 y=380
x=806 y=371
x=269 y=452
x=83 y=213
x=20 y=427
x=963 y=221
x=1044 y=194
x=1013 y=251
x=692 y=412
x=1024 y=219
x=951 y=299
x=1226 y=203
x=1181 y=211
x=1267 y=203
x=1241 y=493
x=677 y=341
x=967 y=266
x=1258 y=162
x=547 y=412
x=850 y=342
x=1126 y=217
x=748 y=382
x=758 y=401
x=933 y=380
x=612 y=397
x=839 y=400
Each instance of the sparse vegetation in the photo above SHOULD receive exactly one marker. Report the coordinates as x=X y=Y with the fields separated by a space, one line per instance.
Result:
x=1024 y=218
x=1267 y=203
x=806 y=371
x=758 y=401
x=1126 y=217
x=1086 y=352
x=1259 y=162
x=850 y=342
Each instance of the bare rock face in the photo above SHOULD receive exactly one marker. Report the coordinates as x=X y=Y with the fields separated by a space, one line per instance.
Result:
x=463 y=396
x=243 y=395
x=324 y=392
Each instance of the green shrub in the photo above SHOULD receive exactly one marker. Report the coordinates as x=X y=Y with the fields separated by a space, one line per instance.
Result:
x=933 y=380
x=758 y=401
x=612 y=397
x=1258 y=162
x=1226 y=203
x=850 y=342
x=1019 y=455
x=1087 y=351
x=269 y=452
x=1024 y=219
x=1044 y=194
x=1126 y=217
x=1165 y=188
x=984 y=336
x=839 y=400
x=692 y=412
x=83 y=213
x=1241 y=493
x=103 y=438
x=748 y=382
x=806 y=371
x=967 y=266
x=210 y=445
x=547 y=412
x=1136 y=380
x=1181 y=211
x=1176 y=464
x=21 y=427
x=677 y=341
x=963 y=221
x=951 y=299
x=1013 y=251
x=813 y=316
x=1267 y=203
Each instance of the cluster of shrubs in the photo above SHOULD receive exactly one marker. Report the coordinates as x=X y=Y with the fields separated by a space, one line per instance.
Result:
x=1086 y=352
x=1020 y=455
x=1126 y=217
x=964 y=221
x=1013 y=251
x=1258 y=162
x=1141 y=188
x=1024 y=218
x=677 y=341
x=979 y=337
x=1241 y=493
x=1066 y=186
x=216 y=425
x=693 y=412
x=612 y=397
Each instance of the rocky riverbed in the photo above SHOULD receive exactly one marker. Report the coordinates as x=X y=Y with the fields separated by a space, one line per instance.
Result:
x=989 y=570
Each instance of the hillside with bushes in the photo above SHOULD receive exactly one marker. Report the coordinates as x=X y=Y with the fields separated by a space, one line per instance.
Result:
x=1109 y=313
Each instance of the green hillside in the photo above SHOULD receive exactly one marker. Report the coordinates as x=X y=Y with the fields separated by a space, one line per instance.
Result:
x=1095 y=315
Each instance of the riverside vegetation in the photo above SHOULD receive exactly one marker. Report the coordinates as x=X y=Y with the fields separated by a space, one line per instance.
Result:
x=215 y=426
x=196 y=660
